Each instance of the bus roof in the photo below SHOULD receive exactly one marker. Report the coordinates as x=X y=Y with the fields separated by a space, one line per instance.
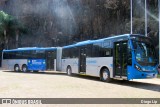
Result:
x=31 y=48
x=94 y=41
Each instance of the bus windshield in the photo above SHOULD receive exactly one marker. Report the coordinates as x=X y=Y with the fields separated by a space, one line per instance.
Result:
x=144 y=53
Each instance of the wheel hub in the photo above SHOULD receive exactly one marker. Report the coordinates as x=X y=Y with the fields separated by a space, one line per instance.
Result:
x=105 y=75
x=24 y=69
x=17 y=68
x=69 y=71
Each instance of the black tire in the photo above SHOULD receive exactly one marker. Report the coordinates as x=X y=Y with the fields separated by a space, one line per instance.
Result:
x=69 y=71
x=105 y=75
x=35 y=71
x=16 y=68
x=24 y=68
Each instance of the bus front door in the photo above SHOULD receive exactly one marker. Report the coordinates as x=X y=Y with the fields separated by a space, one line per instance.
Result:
x=120 y=59
x=82 y=60
x=50 y=56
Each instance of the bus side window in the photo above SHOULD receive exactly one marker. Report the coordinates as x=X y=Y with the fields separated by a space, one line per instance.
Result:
x=89 y=50
x=107 y=52
x=34 y=54
x=107 y=48
x=63 y=53
x=66 y=53
x=6 y=55
x=18 y=55
x=96 y=52
x=75 y=52
x=12 y=55
x=41 y=54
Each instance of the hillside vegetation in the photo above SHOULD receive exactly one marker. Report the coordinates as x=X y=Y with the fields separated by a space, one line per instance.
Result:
x=62 y=22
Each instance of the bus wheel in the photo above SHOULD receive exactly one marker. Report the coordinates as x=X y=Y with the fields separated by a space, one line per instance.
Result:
x=16 y=68
x=24 y=68
x=69 y=71
x=105 y=75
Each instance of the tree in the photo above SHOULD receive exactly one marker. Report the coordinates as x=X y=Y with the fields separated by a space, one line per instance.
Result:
x=5 y=22
x=16 y=29
x=10 y=26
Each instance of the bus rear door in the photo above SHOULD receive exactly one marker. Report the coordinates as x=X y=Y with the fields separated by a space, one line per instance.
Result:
x=50 y=56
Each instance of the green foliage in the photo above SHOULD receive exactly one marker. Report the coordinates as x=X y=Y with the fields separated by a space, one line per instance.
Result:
x=5 y=19
x=158 y=76
x=5 y=22
x=9 y=26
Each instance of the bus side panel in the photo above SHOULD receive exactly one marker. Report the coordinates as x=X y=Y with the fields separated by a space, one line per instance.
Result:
x=94 y=65
x=5 y=64
x=58 y=62
x=9 y=63
x=70 y=62
x=64 y=65
x=55 y=65
x=36 y=64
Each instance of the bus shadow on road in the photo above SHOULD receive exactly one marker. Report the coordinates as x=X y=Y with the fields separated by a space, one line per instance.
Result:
x=140 y=85
x=44 y=73
x=134 y=84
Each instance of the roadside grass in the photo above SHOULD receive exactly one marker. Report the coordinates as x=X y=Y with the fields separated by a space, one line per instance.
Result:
x=158 y=76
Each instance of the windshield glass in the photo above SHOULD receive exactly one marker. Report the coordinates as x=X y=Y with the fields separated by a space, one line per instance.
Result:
x=144 y=53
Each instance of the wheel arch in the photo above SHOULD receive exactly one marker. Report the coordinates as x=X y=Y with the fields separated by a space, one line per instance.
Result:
x=24 y=65
x=16 y=64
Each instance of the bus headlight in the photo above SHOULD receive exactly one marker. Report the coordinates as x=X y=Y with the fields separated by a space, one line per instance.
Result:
x=137 y=67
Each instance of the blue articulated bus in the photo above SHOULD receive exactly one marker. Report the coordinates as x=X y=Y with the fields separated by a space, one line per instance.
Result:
x=31 y=59
x=119 y=57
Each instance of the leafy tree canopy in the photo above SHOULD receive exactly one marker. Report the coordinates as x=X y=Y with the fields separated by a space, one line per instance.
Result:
x=9 y=26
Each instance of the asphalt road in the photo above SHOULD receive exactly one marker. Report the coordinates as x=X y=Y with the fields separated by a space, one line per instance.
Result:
x=59 y=85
